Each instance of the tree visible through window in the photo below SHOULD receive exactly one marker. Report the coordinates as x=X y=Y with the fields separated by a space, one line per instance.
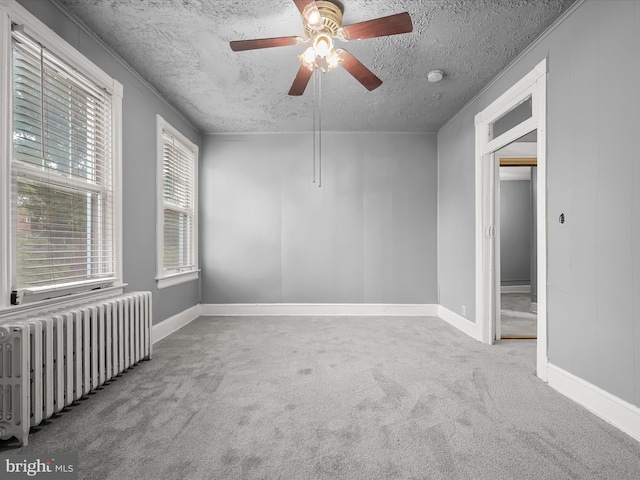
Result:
x=64 y=216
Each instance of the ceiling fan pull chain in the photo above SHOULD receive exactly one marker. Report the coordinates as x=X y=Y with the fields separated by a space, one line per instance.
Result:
x=315 y=74
x=319 y=128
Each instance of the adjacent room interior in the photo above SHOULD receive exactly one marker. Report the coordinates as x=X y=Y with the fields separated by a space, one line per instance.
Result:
x=403 y=244
x=518 y=244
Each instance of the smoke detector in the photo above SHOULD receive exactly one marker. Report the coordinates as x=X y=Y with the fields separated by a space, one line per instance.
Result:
x=435 y=76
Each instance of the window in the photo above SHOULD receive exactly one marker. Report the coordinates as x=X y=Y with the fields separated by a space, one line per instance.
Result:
x=177 y=207
x=60 y=216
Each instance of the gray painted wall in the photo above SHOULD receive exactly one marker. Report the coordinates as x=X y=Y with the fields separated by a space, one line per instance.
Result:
x=515 y=232
x=269 y=235
x=140 y=106
x=456 y=214
x=593 y=176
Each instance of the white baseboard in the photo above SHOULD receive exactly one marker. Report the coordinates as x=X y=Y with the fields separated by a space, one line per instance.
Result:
x=534 y=307
x=318 y=309
x=515 y=288
x=610 y=408
x=170 y=325
x=458 y=321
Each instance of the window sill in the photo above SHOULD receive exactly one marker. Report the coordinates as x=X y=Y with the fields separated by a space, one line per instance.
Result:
x=60 y=302
x=177 y=278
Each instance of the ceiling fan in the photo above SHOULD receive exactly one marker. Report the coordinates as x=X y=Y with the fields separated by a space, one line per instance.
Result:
x=322 y=22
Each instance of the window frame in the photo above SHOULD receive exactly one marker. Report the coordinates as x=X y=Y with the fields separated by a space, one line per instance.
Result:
x=12 y=12
x=164 y=278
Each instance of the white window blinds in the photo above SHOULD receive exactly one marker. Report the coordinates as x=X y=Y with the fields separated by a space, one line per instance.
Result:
x=178 y=180
x=63 y=173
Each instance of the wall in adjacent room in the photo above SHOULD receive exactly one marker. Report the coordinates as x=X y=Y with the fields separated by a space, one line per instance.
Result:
x=515 y=232
x=270 y=235
x=593 y=177
x=140 y=106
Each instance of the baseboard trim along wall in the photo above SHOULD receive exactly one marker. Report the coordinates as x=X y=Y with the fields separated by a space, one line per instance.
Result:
x=610 y=408
x=172 y=324
x=461 y=323
x=515 y=288
x=320 y=309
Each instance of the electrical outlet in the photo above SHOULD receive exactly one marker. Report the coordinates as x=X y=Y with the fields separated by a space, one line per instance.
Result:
x=464 y=310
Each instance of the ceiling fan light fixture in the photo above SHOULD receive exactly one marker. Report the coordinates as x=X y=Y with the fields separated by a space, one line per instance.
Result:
x=333 y=60
x=323 y=44
x=312 y=15
x=330 y=19
x=308 y=58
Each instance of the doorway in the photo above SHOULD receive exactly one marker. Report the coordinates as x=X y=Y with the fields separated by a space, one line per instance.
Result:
x=520 y=111
x=516 y=317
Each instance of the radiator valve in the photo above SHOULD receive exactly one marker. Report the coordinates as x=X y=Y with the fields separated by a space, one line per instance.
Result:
x=5 y=334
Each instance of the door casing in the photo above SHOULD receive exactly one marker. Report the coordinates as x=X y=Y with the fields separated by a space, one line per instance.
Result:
x=486 y=180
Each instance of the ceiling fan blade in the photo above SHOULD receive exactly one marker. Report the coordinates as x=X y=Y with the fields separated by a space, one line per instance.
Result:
x=361 y=73
x=301 y=81
x=379 y=27
x=241 y=45
x=309 y=11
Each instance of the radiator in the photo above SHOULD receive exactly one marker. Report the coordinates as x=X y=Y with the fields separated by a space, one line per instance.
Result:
x=50 y=360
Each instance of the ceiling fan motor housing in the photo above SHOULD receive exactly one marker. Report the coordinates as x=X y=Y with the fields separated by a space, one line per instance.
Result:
x=331 y=19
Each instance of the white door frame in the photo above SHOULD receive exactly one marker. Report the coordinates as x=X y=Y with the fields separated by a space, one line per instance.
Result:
x=533 y=85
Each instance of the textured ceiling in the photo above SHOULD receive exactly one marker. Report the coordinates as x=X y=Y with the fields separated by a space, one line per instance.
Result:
x=182 y=48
